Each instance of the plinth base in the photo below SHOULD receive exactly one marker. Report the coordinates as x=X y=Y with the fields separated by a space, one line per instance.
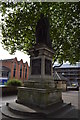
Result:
x=20 y=112
x=38 y=97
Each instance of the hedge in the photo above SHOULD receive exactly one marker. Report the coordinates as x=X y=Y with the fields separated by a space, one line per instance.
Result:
x=14 y=82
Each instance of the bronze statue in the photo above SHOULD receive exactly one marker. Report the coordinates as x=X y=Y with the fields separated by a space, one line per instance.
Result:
x=42 y=31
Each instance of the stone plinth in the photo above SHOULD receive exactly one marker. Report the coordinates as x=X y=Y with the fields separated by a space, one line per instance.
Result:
x=41 y=63
x=38 y=97
x=46 y=84
x=40 y=88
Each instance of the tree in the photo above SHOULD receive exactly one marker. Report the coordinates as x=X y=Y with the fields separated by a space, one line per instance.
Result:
x=19 y=22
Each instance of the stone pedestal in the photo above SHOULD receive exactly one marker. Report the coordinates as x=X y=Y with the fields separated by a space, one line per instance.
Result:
x=41 y=63
x=40 y=88
x=38 y=97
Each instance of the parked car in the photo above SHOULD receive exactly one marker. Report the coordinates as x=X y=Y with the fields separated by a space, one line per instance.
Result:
x=73 y=85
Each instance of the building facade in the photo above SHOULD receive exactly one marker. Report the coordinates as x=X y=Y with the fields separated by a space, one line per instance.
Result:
x=71 y=73
x=14 y=69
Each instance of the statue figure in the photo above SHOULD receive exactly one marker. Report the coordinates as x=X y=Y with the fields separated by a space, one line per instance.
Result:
x=42 y=31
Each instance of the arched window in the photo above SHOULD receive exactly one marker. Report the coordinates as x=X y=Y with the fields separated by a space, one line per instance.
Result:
x=14 y=71
x=25 y=72
x=20 y=71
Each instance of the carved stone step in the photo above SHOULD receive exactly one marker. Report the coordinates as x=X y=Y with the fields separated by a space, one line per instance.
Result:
x=20 y=116
x=9 y=114
x=21 y=112
x=24 y=110
x=34 y=110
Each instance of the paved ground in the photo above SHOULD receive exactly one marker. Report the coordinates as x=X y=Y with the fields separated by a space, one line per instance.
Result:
x=7 y=99
x=73 y=97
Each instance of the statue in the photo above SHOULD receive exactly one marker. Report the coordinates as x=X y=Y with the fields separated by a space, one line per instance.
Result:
x=42 y=31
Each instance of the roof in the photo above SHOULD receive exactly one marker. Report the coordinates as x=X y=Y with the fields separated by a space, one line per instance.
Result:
x=67 y=65
x=7 y=59
x=70 y=66
x=57 y=76
x=13 y=59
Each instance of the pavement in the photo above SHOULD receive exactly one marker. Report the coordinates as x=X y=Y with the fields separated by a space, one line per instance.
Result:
x=72 y=97
x=5 y=99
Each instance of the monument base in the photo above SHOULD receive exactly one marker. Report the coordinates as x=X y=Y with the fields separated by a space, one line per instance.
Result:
x=38 y=97
x=39 y=90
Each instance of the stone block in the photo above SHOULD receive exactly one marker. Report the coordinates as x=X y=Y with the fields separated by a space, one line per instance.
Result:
x=38 y=97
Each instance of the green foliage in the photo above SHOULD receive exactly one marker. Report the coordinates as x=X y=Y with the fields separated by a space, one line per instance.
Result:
x=19 y=22
x=14 y=82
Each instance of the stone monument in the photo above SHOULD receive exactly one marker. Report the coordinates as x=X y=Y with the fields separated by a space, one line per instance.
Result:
x=40 y=89
x=39 y=99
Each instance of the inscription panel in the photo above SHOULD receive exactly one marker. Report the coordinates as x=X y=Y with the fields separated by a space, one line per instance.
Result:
x=48 y=64
x=36 y=67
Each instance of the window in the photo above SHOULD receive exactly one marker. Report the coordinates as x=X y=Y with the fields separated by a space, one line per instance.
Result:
x=20 y=71
x=26 y=72
x=14 y=71
x=4 y=74
x=7 y=74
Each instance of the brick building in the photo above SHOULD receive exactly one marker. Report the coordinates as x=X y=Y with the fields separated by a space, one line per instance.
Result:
x=72 y=73
x=12 y=68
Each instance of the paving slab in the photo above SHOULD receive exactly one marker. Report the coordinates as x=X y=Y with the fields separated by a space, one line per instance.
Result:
x=73 y=97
